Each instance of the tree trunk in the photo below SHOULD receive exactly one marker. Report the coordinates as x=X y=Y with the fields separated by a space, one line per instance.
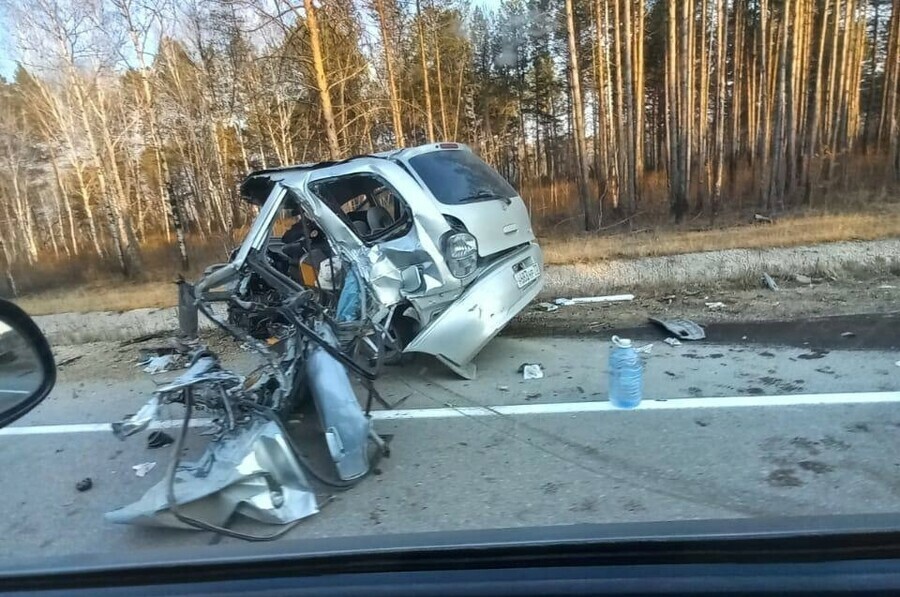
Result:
x=429 y=118
x=392 y=83
x=891 y=77
x=721 y=92
x=440 y=75
x=312 y=23
x=578 y=123
x=675 y=95
x=686 y=96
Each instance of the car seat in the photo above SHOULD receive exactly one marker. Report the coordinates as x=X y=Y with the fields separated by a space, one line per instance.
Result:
x=378 y=218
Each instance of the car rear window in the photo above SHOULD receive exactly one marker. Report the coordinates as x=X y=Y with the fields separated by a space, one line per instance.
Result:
x=455 y=176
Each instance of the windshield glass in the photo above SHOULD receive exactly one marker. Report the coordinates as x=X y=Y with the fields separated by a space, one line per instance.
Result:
x=459 y=176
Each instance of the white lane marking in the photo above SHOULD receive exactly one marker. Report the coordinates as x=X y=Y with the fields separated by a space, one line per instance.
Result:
x=92 y=427
x=558 y=408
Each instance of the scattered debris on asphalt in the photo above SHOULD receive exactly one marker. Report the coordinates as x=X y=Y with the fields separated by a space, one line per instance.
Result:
x=886 y=287
x=645 y=349
x=139 y=421
x=548 y=307
x=585 y=300
x=848 y=334
x=159 y=439
x=143 y=468
x=163 y=363
x=683 y=329
x=801 y=279
x=769 y=281
x=532 y=395
x=85 y=484
x=715 y=305
x=503 y=388
x=531 y=371
x=672 y=341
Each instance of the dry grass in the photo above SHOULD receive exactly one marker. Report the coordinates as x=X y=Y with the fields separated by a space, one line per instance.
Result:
x=788 y=232
x=102 y=297
x=86 y=284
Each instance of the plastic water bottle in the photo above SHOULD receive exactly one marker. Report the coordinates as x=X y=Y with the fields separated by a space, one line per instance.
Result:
x=625 y=374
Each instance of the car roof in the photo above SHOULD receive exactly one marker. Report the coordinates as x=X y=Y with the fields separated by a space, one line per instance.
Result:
x=258 y=184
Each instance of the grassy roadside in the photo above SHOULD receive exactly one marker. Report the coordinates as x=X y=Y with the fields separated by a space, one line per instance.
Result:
x=106 y=296
x=788 y=232
x=794 y=231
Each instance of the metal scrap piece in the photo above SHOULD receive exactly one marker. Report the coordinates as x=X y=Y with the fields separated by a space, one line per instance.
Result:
x=346 y=427
x=683 y=329
x=252 y=472
x=139 y=421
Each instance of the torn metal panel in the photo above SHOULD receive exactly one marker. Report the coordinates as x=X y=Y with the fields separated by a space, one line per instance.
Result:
x=139 y=421
x=346 y=427
x=683 y=329
x=252 y=472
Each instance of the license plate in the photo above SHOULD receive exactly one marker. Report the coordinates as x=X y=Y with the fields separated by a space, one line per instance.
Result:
x=526 y=272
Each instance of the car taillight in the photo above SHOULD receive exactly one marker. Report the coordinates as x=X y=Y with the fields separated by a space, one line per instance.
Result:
x=461 y=251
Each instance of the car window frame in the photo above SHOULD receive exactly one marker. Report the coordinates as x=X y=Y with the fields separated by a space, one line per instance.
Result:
x=398 y=229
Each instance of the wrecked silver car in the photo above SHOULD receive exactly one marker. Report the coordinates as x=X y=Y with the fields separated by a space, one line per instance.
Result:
x=429 y=245
x=348 y=265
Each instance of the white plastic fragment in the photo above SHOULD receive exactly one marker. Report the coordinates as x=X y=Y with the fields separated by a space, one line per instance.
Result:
x=583 y=300
x=532 y=371
x=672 y=341
x=715 y=305
x=548 y=307
x=645 y=349
x=143 y=468
x=161 y=364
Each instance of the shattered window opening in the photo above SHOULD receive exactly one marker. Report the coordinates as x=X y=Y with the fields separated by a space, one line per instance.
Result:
x=369 y=206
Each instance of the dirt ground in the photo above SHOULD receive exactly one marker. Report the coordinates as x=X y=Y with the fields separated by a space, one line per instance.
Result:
x=793 y=300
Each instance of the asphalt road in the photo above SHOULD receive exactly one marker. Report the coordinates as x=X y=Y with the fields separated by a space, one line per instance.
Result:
x=729 y=428
x=20 y=375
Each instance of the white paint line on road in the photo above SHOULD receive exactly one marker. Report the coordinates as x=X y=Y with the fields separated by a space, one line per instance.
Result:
x=557 y=408
x=561 y=408
x=92 y=427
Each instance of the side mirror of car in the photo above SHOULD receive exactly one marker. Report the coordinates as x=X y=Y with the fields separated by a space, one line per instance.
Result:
x=27 y=369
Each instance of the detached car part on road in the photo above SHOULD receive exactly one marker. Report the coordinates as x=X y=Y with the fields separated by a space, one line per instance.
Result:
x=348 y=265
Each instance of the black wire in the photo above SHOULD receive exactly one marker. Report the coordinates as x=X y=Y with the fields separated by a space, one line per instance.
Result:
x=335 y=352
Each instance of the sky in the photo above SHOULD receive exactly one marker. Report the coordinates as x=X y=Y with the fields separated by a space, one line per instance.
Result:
x=8 y=54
